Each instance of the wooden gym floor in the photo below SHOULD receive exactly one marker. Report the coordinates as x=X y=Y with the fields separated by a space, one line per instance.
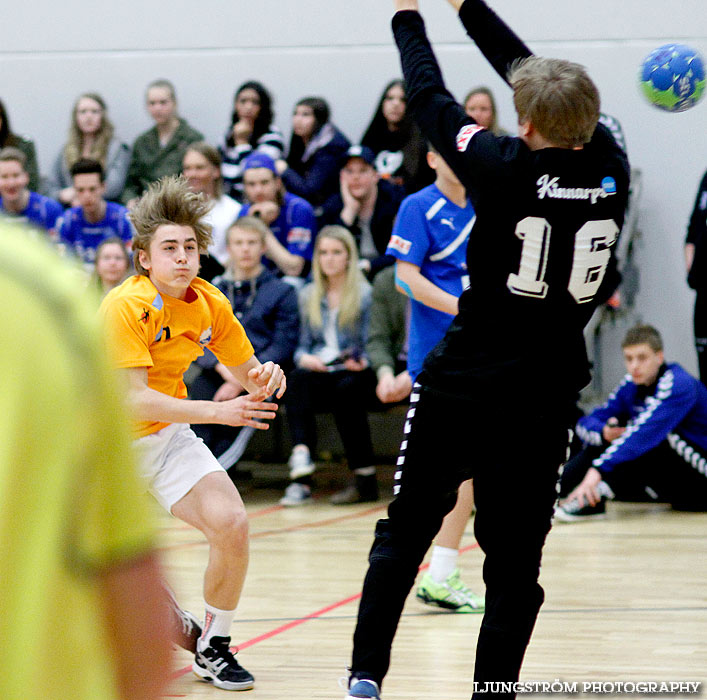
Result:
x=626 y=600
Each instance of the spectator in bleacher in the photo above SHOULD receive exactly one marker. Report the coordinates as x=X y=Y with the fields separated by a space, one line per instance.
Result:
x=648 y=440
x=400 y=149
x=202 y=169
x=84 y=227
x=17 y=200
x=251 y=129
x=332 y=374
x=158 y=151
x=267 y=308
x=387 y=339
x=112 y=265
x=480 y=105
x=367 y=206
x=317 y=148
x=91 y=136
x=10 y=138
x=291 y=220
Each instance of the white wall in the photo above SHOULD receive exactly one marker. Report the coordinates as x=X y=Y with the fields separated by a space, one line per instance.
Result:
x=344 y=51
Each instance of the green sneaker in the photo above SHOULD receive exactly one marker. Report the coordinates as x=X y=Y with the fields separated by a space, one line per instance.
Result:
x=452 y=594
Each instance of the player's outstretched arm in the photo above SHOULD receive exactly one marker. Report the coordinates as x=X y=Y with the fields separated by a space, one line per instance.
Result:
x=495 y=39
x=148 y=404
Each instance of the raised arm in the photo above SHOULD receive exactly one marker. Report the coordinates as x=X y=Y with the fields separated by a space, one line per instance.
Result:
x=495 y=39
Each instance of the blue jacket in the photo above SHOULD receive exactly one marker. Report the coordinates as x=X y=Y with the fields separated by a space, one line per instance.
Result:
x=673 y=409
x=353 y=339
x=268 y=312
x=315 y=175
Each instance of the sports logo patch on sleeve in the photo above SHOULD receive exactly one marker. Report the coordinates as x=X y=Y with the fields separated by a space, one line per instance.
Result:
x=301 y=236
x=399 y=244
x=465 y=135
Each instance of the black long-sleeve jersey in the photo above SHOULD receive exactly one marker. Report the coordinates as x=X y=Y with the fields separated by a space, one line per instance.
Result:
x=697 y=235
x=547 y=222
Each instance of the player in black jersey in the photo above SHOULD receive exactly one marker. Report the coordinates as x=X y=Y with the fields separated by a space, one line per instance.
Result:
x=497 y=393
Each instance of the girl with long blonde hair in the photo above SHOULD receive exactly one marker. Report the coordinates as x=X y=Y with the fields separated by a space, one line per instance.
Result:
x=91 y=135
x=332 y=373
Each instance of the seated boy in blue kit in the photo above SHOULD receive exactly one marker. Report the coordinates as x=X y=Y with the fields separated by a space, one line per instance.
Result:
x=649 y=438
x=16 y=200
x=85 y=227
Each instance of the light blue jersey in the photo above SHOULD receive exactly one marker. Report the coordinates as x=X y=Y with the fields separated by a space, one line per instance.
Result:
x=432 y=232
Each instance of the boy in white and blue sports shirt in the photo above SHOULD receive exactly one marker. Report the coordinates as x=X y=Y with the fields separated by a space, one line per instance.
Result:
x=86 y=226
x=429 y=243
x=17 y=201
x=648 y=439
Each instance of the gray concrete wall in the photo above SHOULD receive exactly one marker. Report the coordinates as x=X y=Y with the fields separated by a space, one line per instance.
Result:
x=343 y=51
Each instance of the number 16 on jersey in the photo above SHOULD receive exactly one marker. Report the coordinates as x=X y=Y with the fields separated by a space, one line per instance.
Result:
x=589 y=262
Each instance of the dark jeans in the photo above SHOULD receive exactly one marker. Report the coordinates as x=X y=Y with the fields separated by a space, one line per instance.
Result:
x=343 y=393
x=514 y=461
x=659 y=474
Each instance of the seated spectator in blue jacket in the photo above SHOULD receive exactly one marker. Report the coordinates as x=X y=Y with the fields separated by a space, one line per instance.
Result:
x=17 y=200
x=267 y=308
x=316 y=150
x=251 y=131
x=367 y=206
x=648 y=440
x=290 y=243
x=86 y=226
x=333 y=374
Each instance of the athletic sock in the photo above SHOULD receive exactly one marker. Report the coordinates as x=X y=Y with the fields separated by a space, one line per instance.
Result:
x=217 y=623
x=365 y=471
x=443 y=562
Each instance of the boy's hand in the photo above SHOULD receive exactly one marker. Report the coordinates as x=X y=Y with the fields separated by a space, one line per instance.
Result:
x=270 y=377
x=587 y=492
x=612 y=430
x=456 y=4
x=405 y=5
x=247 y=410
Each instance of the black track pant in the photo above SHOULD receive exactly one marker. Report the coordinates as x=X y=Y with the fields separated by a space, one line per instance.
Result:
x=514 y=461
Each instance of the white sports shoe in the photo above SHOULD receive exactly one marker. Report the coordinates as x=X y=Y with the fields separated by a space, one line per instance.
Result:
x=296 y=494
x=300 y=464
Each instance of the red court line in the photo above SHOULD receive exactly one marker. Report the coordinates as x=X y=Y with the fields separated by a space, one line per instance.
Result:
x=301 y=620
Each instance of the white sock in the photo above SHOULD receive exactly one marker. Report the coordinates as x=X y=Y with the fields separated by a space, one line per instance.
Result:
x=217 y=623
x=443 y=562
x=365 y=471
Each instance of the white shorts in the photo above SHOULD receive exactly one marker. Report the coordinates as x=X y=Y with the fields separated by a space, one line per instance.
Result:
x=172 y=461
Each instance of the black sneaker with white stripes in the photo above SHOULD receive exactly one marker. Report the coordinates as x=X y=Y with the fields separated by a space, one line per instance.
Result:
x=216 y=664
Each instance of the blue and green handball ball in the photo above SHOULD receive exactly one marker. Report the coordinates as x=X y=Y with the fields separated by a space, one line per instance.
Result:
x=673 y=77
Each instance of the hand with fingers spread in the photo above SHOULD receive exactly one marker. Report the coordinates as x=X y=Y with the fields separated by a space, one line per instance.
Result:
x=250 y=409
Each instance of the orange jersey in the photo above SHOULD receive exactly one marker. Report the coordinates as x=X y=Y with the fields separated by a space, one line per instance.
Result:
x=147 y=329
